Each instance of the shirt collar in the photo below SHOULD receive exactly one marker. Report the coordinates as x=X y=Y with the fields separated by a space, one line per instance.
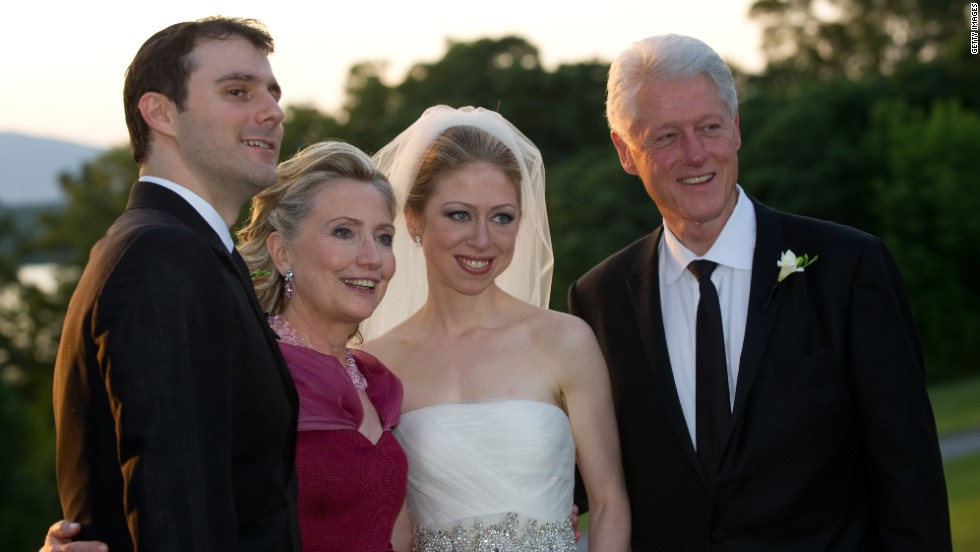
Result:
x=733 y=248
x=203 y=208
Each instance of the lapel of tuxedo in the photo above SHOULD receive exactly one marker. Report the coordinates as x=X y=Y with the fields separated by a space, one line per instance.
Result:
x=145 y=195
x=152 y=196
x=241 y=270
x=644 y=288
x=769 y=242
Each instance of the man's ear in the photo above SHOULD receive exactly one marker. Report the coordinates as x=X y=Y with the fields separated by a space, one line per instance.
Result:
x=738 y=134
x=625 y=155
x=158 y=112
x=278 y=252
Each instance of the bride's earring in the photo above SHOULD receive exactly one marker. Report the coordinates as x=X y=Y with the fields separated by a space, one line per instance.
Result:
x=418 y=240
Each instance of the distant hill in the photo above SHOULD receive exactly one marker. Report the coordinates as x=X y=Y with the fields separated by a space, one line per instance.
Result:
x=29 y=168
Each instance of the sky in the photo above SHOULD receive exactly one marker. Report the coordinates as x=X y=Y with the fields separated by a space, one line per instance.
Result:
x=62 y=72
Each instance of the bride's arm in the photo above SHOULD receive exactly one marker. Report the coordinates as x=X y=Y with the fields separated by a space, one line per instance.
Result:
x=588 y=399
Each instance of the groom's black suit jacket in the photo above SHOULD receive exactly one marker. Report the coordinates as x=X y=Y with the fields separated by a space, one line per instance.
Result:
x=833 y=444
x=175 y=412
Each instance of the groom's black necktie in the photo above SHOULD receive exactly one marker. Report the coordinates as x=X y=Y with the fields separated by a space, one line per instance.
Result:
x=713 y=412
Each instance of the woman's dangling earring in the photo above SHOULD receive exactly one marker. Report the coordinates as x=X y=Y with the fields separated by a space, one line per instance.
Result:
x=418 y=240
x=288 y=288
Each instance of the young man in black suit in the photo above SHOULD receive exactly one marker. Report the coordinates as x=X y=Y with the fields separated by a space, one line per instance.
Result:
x=821 y=436
x=175 y=413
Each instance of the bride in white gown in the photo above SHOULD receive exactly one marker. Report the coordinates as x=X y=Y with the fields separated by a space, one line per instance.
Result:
x=502 y=396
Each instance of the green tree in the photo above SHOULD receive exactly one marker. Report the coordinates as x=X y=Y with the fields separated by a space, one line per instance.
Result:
x=28 y=334
x=851 y=38
x=878 y=153
x=800 y=149
x=594 y=209
x=94 y=197
x=304 y=125
x=927 y=205
x=561 y=110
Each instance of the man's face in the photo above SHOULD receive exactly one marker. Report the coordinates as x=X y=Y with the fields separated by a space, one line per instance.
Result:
x=230 y=132
x=683 y=145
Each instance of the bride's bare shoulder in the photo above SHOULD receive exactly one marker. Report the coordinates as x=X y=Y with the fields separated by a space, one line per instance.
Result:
x=392 y=346
x=560 y=328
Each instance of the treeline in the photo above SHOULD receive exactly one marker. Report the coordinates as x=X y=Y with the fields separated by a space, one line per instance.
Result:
x=879 y=131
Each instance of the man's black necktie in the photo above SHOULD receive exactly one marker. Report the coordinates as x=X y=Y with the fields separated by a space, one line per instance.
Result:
x=713 y=412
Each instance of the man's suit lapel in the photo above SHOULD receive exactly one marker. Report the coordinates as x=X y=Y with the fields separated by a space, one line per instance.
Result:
x=241 y=269
x=152 y=196
x=644 y=289
x=145 y=195
x=769 y=243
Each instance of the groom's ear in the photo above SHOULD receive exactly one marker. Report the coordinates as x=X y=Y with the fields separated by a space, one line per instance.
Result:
x=159 y=113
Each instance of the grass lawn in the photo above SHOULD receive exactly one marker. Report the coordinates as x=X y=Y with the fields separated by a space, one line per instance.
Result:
x=957 y=408
x=963 y=486
x=956 y=405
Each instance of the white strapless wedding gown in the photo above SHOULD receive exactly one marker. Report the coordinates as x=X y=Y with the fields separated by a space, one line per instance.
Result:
x=489 y=475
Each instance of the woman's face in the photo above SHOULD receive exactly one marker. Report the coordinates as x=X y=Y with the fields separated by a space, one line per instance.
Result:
x=469 y=227
x=342 y=258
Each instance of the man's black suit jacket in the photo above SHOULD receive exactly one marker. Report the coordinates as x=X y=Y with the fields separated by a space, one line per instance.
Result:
x=833 y=444
x=175 y=413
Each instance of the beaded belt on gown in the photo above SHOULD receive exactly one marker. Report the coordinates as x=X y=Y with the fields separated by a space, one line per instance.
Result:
x=509 y=535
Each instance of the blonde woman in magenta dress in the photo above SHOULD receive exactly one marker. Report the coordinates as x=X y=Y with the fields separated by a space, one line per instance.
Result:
x=319 y=243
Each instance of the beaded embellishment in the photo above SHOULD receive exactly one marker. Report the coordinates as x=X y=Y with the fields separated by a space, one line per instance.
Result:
x=356 y=377
x=505 y=536
x=288 y=335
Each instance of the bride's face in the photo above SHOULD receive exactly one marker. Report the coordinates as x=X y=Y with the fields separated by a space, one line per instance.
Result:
x=469 y=227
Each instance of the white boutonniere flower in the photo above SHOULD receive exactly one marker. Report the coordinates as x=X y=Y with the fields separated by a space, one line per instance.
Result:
x=790 y=263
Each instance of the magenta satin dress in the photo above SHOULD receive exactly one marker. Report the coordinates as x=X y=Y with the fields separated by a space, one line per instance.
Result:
x=350 y=489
